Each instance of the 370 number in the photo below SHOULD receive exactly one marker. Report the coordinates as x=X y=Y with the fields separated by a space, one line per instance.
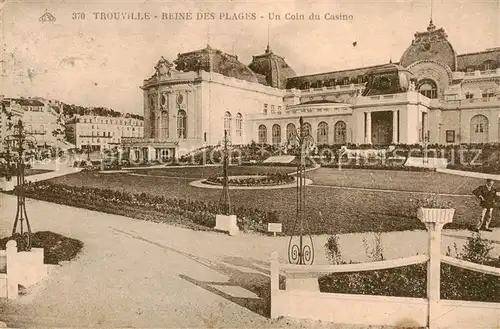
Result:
x=79 y=16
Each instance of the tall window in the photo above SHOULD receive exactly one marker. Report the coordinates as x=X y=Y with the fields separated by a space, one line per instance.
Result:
x=239 y=124
x=181 y=124
x=489 y=65
x=276 y=134
x=227 y=123
x=479 y=129
x=291 y=131
x=264 y=110
x=340 y=132
x=428 y=88
x=262 y=134
x=307 y=129
x=164 y=121
x=322 y=133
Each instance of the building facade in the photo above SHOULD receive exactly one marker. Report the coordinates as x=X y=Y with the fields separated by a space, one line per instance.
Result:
x=10 y=114
x=42 y=119
x=431 y=95
x=102 y=132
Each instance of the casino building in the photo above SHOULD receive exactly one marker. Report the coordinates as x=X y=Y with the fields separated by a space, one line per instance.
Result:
x=431 y=95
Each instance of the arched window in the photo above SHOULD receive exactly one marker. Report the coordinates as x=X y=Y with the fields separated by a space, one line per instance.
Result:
x=428 y=88
x=239 y=124
x=276 y=134
x=307 y=129
x=479 y=129
x=322 y=133
x=262 y=134
x=227 y=123
x=340 y=132
x=181 y=124
x=291 y=131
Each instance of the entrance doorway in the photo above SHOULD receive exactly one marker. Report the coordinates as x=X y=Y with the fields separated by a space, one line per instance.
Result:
x=382 y=127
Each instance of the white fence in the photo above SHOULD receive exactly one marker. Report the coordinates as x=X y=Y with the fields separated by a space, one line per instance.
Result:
x=301 y=297
x=21 y=268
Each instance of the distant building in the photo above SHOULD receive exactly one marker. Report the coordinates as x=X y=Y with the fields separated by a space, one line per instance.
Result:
x=102 y=132
x=41 y=119
x=10 y=114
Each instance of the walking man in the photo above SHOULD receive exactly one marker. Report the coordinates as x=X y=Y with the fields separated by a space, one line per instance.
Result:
x=487 y=195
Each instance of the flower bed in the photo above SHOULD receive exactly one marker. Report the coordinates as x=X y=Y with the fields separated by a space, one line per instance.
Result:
x=377 y=167
x=57 y=248
x=194 y=214
x=253 y=180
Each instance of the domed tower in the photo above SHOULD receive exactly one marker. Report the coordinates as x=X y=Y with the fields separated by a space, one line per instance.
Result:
x=432 y=59
x=273 y=67
x=430 y=45
x=388 y=79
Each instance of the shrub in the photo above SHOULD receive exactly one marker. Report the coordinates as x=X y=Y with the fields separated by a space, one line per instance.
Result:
x=333 y=253
x=124 y=203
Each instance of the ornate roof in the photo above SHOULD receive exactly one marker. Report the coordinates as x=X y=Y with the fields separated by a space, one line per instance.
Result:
x=326 y=79
x=477 y=60
x=273 y=67
x=430 y=45
x=214 y=60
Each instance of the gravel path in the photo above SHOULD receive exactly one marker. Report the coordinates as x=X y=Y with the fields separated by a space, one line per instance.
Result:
x=138 y=274
x=133 y=273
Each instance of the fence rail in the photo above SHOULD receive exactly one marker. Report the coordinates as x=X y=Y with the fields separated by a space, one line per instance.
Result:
x=471 y=266
x=342 y=268
x=302 y=298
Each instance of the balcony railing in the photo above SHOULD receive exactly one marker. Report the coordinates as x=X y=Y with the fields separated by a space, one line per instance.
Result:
x=495 y=72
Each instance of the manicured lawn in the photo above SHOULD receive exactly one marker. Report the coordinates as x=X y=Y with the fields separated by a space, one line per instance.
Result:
x=30 y=172
x=328 y=210
x=432 y=182
x=204 y=172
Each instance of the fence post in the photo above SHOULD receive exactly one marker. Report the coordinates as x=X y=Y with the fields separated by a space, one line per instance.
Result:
x=434 y=270
x=434 y=220
x=12 y=269
x=275 y=283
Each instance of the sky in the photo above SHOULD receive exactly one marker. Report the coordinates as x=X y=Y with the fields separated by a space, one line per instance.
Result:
x=95 y=62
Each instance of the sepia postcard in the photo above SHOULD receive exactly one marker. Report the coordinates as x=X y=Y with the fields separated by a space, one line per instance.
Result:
x=250 y=164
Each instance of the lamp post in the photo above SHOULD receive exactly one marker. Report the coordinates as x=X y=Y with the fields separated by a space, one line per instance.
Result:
x=21 y=231
x=88 y=151
x=225 y=201
x=301 y=252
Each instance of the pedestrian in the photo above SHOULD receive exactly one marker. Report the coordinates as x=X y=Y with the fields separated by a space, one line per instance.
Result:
x=487 y=195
